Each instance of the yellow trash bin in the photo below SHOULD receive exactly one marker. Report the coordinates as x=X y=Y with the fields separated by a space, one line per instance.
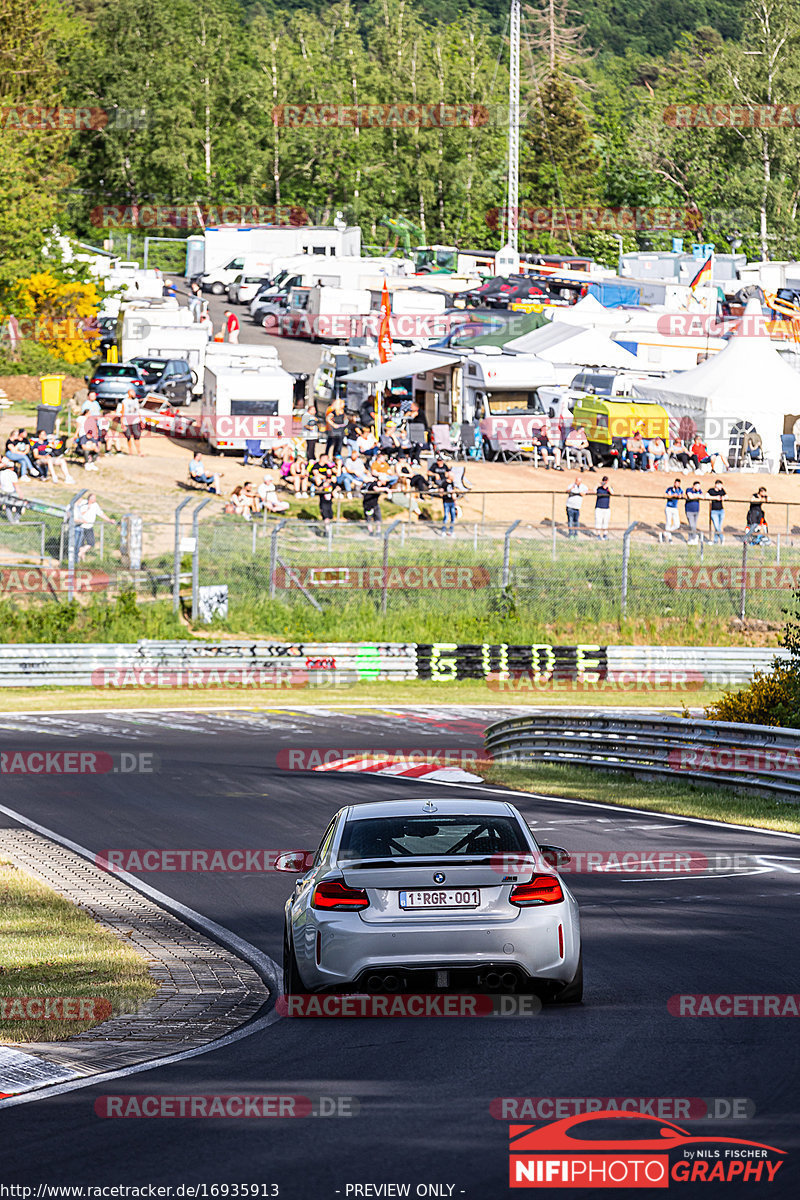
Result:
x=51 y=390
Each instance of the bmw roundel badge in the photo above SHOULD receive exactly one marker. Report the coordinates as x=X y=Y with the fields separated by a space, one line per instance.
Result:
x=438 y=877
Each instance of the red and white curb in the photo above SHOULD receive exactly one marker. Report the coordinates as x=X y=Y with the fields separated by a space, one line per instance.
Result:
x=401 y=768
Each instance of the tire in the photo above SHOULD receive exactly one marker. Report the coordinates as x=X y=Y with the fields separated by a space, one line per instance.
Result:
x=271 y=323
x=572 y=993
x=217 y=289
x=292 y=983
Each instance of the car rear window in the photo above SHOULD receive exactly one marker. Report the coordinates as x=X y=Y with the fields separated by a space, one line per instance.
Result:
x=401 y=837
x=112 y=371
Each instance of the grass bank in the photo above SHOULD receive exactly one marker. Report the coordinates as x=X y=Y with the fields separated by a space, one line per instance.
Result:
x=50 y=948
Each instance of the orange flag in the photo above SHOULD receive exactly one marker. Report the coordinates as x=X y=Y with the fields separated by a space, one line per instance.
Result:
x=385 y=349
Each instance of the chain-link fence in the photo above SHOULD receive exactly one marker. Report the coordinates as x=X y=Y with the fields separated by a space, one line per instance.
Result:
x=270 y=573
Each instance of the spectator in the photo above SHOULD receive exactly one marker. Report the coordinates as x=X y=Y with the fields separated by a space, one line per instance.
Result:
x=206 y=323
x=86 y=512
x=57 y=453
x=335 y=425
x=367 y=444
x=416 y=416
x=239 y=504
x=575 y=494
x=87 y=440
x=602 y=508
x=251 y=496
x=672 y=519
x=636 y=452
x=91 y=405
x=108 y=432
x=543 y=447
x=691 y=506
x=657 y=456
x=717 y=493
x=198 y=474
x=351 y=433
x=753 y=446
x=269 y=497
x=324 y=475
x=383 y=472
x=18 y=452
x=8 y=478
x=131 y=415
x=297 y=476
x=757 y=528
x=700 y=453
x=578 y=444
x=195 y=299
x=370 y=498
x=310 y=425
x=448 y=505
x=231 y=327
x=682 y=455
x=437 y=471
x=353 y=473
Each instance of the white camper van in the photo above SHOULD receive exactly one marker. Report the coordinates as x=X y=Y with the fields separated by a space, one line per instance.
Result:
x=247 y=396
x=156 y=332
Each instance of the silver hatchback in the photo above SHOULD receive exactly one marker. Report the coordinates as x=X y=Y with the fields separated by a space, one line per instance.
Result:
x=426 y=895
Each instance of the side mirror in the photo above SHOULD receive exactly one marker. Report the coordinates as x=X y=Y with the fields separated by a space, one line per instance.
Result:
x=292 y=862
x=555 y=856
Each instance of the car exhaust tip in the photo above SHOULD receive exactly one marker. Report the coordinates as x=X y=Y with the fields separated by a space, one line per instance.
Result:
x=391 y=983
x=375 y=983
x=492 y=980
x=508 y=979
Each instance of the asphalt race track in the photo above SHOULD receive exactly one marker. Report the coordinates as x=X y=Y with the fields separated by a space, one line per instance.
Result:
x=424 y=1086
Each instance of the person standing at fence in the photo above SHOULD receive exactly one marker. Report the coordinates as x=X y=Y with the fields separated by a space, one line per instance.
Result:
x=370 y=499
x=310 y=425
x=131 y=415
x=323 y=476
x=575 y=495
x=717 y=494
x=86 y=512
x=449 y=494
x=335 y=425
x=672 y=516
x=692 y=508
x=602 y=508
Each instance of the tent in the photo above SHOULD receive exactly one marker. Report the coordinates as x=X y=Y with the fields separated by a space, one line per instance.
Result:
x=573 y=347
x=746 y=384
x=588 y=312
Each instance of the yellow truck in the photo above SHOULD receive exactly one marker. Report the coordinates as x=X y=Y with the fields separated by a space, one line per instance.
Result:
x=609 y=424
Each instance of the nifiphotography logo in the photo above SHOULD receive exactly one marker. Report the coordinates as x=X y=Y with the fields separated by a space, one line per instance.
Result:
x=615 y=1149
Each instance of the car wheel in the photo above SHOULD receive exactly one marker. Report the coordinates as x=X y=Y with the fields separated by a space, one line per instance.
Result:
x=573 y=992
x=292 y=983
x=217 y=289
x=270 y=323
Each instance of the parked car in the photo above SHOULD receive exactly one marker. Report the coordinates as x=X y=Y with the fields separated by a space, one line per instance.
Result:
x=170 y=377
x=244 y=288
x=112 y=381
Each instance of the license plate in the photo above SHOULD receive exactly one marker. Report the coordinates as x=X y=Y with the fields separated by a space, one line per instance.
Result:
x=442 y=898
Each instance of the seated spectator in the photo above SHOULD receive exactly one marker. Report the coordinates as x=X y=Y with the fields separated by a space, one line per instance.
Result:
x=544 y=449
x=8 y=478
x=250 y=493
x=18 y=453
x=351 y=433
x=578 y=444
x=239 y=504
x=91 y=405
x=87 y=441
x=657 y=457
x=682 y=455
x=437 y=471
x=269 y=496
x=367 y=444
x=636 y=452
x=198 y=474
x=383 y=472
x=353 y=473
x=700 y=453
x=297 y=477
x=54 y=451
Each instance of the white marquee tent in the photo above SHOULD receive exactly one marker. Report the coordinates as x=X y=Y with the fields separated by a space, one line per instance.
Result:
x=573 y=347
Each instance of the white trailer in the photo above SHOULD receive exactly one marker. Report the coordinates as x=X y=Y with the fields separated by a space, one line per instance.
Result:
x=224 y=247
x=245 y=398
x=163 y=333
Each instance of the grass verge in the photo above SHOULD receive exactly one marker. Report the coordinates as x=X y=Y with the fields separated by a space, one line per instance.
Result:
x=51 y=948
x=614 y=787
x=381 y=694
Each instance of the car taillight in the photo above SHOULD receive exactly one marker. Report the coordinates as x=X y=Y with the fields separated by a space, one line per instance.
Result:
x=542 y=889
x=335 y=894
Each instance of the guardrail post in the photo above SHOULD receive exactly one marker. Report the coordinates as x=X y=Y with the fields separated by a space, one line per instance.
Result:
x=196 y=558
x=176 y=559
x=743 y=592
x=626 y=554
x=273 y=557
x=385 y=585
x=507 y=553
x=71 y=556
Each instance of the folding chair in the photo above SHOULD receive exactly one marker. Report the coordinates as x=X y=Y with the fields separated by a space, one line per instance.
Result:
x=789 y=457
x=253 y=449
x=442 y=441
x=470 y=439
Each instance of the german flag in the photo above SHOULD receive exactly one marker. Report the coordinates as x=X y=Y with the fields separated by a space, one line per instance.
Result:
x=705 y=274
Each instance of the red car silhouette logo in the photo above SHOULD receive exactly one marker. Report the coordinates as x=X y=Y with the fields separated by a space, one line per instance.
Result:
x=557 y=1136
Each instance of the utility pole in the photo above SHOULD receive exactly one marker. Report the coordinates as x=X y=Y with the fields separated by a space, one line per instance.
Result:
x=513 y=127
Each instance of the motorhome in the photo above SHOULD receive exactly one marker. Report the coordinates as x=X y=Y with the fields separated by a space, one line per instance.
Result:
x=224 y=247
x=247 y=397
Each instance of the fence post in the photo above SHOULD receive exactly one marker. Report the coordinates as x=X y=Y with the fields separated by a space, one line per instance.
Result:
x=176 y=558
x=743 y=593
x=273 y=556
x=255 y=527
x=777 y=549
x=42 y=543
x=196 y=557
x=71 y=542
x=626 y=554
x=507 y=553
x=385 y=585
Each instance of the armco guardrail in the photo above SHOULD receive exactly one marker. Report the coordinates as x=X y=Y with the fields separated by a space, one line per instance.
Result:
x=761 y=758
x=203 y=664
